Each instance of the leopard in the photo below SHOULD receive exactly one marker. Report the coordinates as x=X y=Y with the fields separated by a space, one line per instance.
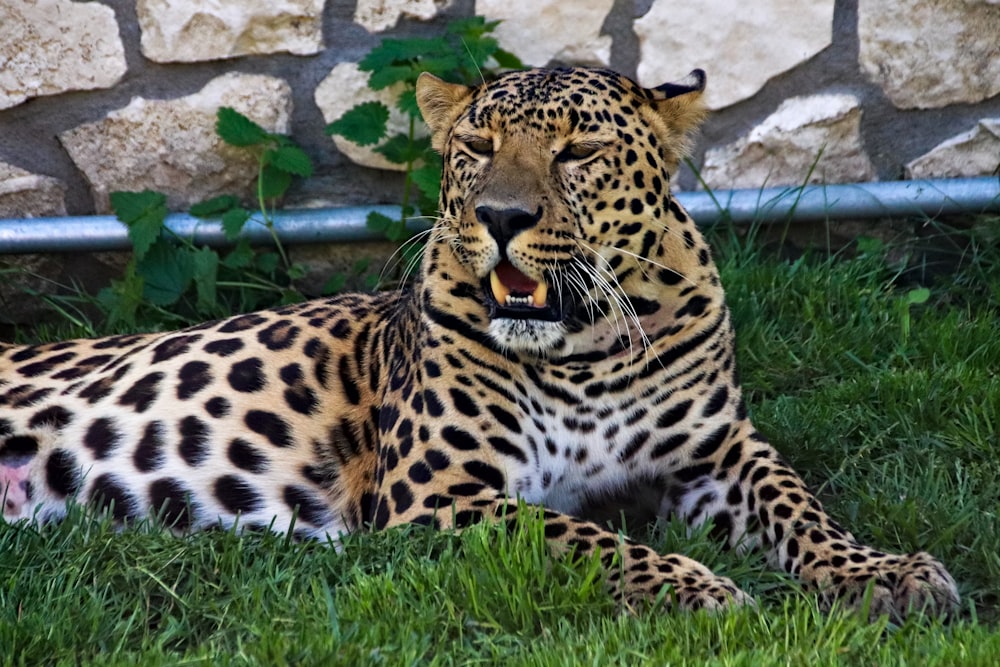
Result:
x=564 y=349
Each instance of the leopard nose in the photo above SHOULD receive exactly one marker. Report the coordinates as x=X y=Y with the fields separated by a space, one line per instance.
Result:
x=504 y=224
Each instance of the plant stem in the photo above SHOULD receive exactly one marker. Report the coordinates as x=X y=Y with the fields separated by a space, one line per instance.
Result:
x=408 y=182
x=267 y=218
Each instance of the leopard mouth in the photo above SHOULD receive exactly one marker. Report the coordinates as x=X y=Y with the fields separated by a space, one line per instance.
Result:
x=511 y=294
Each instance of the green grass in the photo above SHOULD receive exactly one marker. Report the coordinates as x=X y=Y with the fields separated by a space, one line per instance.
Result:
x=889 y=408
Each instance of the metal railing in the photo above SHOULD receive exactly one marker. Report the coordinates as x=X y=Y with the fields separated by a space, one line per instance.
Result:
x=854 y=201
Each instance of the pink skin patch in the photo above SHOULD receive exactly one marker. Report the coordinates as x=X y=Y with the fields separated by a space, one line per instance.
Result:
x=14 y=486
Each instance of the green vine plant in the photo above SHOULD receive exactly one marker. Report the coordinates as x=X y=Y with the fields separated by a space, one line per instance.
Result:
x=467 y=53
x=170 y=280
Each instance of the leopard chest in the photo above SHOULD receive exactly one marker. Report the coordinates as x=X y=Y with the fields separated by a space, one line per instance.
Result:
x=584 y=453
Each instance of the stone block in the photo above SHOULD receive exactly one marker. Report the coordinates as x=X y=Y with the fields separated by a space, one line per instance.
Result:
x=194 y=30
x=346 y=86
x=53 y=46
x=27 y=195
x=972 y=153
x=546 y=30
x=380 y=15
x=741 y=45
x=171 y=145
x=931 y=53
x=820 y=133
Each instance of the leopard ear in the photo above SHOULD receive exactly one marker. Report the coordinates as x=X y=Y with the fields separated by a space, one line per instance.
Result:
x=440 y=103
x=694 y=82
x=682 y=108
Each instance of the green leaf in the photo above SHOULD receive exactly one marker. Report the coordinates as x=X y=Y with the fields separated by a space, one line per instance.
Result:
x=274 y=182
x=868 y=245
x=918 y=296
x=233 y=221
x=387 y=76
x=364 y=124
x=240 y=256
x=507 y=60
x=131 y=206
x=296 y=271
x=292 y=159
x=334 y=284
x=214 y=206
x=441 y=65
x=267 y=262
x=407 y=103
x=398 y=51
x=121 y=300
x=400 y=149
x=205 y=273
x=470 y=27
x=477 y=52
x=144 y=213
x=167 y=271
x=378 y=222
x=428 y=180
x=397 y=231
x=361 y=266
x=290 y=295
x=238 y=130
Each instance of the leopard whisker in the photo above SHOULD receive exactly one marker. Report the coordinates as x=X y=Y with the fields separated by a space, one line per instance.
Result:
x=626 y=307
x=639 y=259
x=393 y=261
x=617 y=308
x=432 y=235
x=579 y=286
x=609 y=292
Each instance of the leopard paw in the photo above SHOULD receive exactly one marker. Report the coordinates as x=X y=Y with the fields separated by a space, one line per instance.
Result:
x=686 y=583
x=714 y=593
x=899 y=586
x=923 y=584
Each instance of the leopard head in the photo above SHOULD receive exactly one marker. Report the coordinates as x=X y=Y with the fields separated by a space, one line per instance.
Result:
x=555 y=203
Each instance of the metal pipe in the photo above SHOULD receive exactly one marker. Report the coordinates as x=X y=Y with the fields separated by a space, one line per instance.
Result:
x=894 y=199
x=106 y=232
x=849 y=201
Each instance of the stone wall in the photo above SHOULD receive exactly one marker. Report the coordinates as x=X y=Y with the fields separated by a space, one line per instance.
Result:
x=121 y=94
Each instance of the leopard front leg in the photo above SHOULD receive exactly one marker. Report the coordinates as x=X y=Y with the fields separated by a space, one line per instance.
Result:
x=636 y=575
x=420 y=489
x=757 y=500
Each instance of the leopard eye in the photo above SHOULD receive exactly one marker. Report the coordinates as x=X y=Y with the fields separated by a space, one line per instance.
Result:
x=479 y=146
x=577 y=152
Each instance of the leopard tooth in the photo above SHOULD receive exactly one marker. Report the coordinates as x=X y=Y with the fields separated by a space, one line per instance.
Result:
x=539 y=296
x=500 y=292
